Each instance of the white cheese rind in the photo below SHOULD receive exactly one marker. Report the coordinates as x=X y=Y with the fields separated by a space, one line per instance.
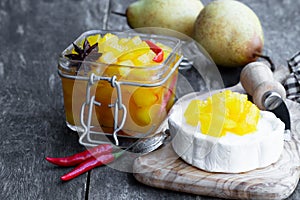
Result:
x=231 y=153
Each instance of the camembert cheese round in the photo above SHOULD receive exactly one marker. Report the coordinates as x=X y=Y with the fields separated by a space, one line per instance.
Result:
x=231 y=153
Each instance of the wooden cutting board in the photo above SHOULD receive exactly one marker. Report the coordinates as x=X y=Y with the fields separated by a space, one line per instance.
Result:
x=164 y=169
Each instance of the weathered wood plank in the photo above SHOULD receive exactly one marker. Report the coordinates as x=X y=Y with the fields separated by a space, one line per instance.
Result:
x=107 y=183
x=32 y=34
x=31 y=130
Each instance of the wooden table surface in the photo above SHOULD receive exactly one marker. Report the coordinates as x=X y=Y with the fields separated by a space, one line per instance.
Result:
x=32 y=34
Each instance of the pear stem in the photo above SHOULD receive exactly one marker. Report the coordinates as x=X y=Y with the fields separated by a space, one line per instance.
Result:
x=118 y=13
x=267 y=58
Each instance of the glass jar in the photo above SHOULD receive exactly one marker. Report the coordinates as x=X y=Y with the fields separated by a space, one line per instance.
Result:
x=118 y=98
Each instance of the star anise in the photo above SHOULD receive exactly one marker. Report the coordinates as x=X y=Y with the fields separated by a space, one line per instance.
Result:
x=87 y=53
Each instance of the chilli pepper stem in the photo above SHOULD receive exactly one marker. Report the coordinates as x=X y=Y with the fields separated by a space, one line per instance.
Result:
x=118 y=154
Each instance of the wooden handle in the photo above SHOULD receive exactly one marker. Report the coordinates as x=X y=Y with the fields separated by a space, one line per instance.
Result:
x=257 y=79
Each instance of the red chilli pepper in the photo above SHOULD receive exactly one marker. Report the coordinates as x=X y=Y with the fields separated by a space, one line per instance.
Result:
x=157 y=50
x=90 y=164
x=80 y=157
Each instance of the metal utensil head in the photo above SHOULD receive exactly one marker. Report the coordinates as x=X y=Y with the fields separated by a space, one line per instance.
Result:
x=147 y=145
x=283 y=114
x=271 y=100
x=275 y=104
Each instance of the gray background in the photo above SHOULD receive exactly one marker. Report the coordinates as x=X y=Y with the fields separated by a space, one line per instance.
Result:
x=32 y=34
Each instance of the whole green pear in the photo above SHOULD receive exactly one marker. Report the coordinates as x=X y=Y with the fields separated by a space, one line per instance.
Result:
x=179 y=15
x=230 y=32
